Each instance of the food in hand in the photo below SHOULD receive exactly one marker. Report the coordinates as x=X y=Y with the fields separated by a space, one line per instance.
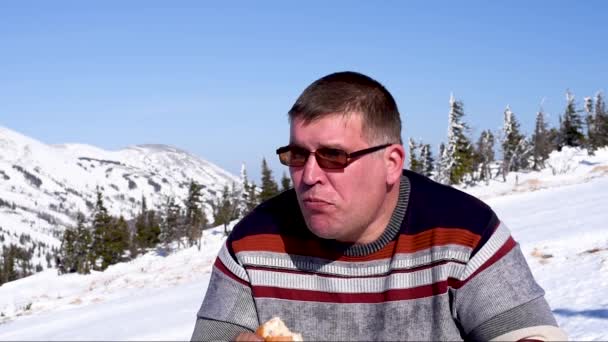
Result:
x=276 y=330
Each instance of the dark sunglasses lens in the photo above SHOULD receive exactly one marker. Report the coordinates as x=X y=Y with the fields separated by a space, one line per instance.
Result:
x=294 y=156
x=331 y=158
x=284 y=157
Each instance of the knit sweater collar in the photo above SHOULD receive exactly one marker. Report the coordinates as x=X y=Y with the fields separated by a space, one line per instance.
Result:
x=390 y=232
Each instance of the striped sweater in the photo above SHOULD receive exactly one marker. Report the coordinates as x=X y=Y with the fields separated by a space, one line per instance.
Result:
x=445 y=268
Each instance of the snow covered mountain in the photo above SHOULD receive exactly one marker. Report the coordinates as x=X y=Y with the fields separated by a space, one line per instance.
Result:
x=42 y=187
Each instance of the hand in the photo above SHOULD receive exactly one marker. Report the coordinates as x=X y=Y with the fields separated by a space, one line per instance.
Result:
x=248 y=336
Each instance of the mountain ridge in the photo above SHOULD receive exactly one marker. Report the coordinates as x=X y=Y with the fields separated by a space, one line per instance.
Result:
x=43 y=187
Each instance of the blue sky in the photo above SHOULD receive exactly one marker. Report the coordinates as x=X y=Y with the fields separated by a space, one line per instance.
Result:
x=217 y=79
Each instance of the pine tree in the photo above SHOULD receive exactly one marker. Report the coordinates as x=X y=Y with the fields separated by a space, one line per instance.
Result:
x=427 y=162
x=459 y=151
x=195 y=219
x=442 y=174
x=485 y=155
x=15 y=263
x=226 y=207
x=74 y=250
x=590 y=123
x=153 y=228
x=171 y=223
x=116 y=241
x=8 y=261
x=249 y=198
x=541 y=142
x=147 y=228
x=415 y=162
x=269 y=186
x=110 y=237
x=285 y=182
x=24 y=259
x=102 y=225
x=572 y=125
x=600 y=122
x=9 y=272
x=513 y=145
x=82 y=245
x=141 y=227
x=252 y=198
x=67 y=252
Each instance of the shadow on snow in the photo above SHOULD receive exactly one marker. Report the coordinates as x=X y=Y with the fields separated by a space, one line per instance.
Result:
x=595 y=313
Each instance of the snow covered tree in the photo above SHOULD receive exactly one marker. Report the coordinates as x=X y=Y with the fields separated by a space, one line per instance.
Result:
x=541 y=142
x=590 y=123
x=426 y=160
x=249 y=198
x=514 y=146
x=571 y=124
x=485 y=155
x=600 y=119
x=253 y=198
x=269 y=187
x=442 y=174
x=459 y=151
x=415 y=163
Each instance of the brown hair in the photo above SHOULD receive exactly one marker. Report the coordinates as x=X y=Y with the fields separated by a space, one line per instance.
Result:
x=350 y=93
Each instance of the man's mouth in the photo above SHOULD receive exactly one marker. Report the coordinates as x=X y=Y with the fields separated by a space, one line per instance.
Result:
x=315 y=204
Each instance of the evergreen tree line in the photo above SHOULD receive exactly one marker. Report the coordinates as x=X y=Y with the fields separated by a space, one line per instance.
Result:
x=15 y=263
x=460 y=161
x=102 y=239
x=16 y=260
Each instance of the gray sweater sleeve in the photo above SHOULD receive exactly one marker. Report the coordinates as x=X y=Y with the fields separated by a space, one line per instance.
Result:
x=228 y=307
x=210 y=330
x=501 y=296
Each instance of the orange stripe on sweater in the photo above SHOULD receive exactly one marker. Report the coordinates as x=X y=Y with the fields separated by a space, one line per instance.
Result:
x=404 y=244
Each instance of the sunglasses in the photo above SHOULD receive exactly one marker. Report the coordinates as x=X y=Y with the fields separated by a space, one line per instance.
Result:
x=327 y=158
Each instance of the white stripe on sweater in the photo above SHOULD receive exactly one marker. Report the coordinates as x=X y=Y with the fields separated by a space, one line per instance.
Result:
x=355 y=285
x=497 y=240
x=400 y=261
x=231 y=264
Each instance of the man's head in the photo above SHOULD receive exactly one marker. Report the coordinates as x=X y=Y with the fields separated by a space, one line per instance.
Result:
x=348 y=92
x=345 y=196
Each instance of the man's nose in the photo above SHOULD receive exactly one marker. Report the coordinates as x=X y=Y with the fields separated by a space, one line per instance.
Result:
x=312 y=171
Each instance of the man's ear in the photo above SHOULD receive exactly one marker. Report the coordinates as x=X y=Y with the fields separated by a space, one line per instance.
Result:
x=394 y=158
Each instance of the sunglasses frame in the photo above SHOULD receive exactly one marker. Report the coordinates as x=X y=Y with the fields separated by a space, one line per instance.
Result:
x=320 y=161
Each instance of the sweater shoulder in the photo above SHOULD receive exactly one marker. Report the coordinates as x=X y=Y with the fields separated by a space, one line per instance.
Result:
x=434 y=205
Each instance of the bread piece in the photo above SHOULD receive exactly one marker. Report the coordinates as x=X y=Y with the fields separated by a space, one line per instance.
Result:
x=276 y=331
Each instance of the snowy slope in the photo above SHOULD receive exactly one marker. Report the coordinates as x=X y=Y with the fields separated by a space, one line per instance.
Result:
x=42 y=187
x=561 y=229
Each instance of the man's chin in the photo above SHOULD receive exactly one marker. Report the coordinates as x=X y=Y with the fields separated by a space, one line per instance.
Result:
x=322 y=230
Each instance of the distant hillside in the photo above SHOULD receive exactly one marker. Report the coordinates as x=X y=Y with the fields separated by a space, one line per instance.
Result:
x=42 y=187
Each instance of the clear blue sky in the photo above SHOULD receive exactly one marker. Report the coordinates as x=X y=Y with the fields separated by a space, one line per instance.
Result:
x=217 y=78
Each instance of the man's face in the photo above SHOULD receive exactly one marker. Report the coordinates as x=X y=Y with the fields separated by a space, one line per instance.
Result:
x=338 y=204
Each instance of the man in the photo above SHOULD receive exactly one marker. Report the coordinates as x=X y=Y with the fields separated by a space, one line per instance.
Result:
x=361 y=249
